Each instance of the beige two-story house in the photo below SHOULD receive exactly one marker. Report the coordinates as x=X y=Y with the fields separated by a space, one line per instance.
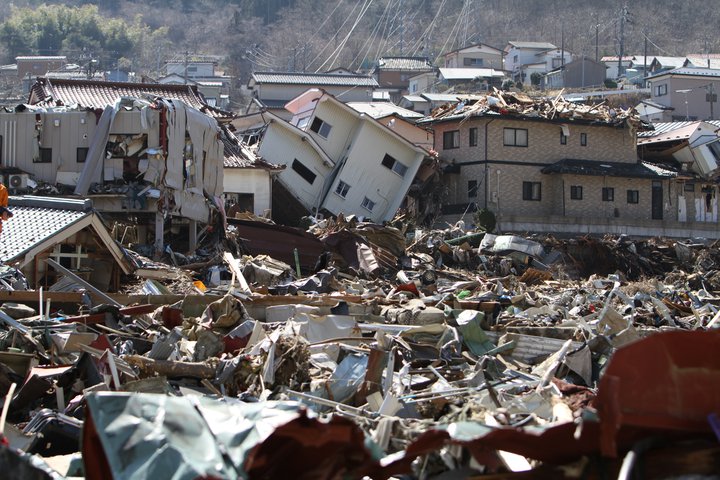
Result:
x=557 y=175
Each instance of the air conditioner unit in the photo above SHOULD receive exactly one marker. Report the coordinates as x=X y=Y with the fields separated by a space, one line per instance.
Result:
x=17 y=181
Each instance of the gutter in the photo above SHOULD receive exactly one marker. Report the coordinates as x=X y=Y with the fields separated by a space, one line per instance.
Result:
x=487 y=167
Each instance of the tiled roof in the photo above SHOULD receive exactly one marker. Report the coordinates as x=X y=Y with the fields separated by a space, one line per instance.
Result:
x=614 y=58
x=404 y=63
x=314 y=79
x=97 y=94
x=36 y=220
x=608 y=169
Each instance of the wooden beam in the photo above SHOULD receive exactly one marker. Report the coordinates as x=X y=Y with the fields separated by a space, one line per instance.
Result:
x=82 y=282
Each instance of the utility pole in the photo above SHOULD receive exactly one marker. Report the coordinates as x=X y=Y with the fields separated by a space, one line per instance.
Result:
x=402 y=28
x=645 y=60
x=562 y=46
x=623 y=19
x=597 y=43
x=711 y=97
x=185 y=63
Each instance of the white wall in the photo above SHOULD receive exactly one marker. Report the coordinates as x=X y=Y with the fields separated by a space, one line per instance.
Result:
x=281 y=146
x=250 y=180
x=368 y=177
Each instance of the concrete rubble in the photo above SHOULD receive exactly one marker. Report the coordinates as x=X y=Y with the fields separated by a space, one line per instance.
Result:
x=357 y=350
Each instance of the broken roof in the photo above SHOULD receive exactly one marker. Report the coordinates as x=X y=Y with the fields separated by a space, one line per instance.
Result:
x=518 y=105
x=319 y=79
x=608 y=169
x=404 y=63
x=239 y=155
x=98 y=94
x=38 y=223
x=383 y=109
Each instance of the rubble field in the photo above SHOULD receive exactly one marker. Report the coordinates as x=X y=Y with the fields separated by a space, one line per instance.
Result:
x=356 y=350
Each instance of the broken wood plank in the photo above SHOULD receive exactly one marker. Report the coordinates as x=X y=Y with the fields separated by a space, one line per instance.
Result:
x=167 y=368
x=232 y=263
x=82 y=282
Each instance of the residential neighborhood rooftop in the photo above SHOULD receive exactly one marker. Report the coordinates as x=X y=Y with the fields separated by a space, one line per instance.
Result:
x=404 y=63
x=314 y=79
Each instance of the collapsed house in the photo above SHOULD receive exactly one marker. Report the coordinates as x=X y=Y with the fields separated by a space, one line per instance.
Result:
x=150 y=156
x=46 y=234
x=338 y=161
x=693 y=148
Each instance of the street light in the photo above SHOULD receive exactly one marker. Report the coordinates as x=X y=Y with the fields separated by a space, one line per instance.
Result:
x=687 y=111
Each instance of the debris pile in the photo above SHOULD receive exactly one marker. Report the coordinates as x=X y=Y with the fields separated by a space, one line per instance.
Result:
x=521 y=105
x=393 y=354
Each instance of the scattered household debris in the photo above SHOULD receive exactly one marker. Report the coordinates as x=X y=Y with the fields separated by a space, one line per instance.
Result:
x=422 y=354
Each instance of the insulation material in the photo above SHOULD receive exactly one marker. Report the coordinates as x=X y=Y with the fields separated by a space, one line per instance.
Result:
x=176 y=125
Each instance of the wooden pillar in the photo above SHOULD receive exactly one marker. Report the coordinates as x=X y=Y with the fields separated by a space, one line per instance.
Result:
x=192 y=235
x=159 y=234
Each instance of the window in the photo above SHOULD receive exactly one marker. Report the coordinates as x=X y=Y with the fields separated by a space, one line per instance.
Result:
x=711 y=97
x=472 y=62
x=81 y=154
x=397 y=167
x=661 y=90
x=575 y=192
x=608 y=194
x=563 y=139
x=192 y=69
x=367 y=204
x=515 y=59
x=342 y=189
x=302 y=123
x=715 y=150
x=583 y=139
x=689 y=187
x=451 y=139
x=633 y=196
x=556 y=62
x=45 y=156
x=515 y=137
x=531 y=191
x=320 y=127
x=472 y=190
x=303 y=171
x=473 y=137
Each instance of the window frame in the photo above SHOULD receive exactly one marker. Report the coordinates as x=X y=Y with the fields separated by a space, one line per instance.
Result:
x=576 y=192
x=321 y=124
x=633 y=196
x=515 y=137
x=368 y=204
x=608 y=194
x=45 y=155
x=454 y=136
x=303 y=171
x=661 y=90
x=472 y=188
x=77 y=154
x=473 y=137
x=394 y=165
x=342 y=189
x=583 y=139
x=529 y=191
